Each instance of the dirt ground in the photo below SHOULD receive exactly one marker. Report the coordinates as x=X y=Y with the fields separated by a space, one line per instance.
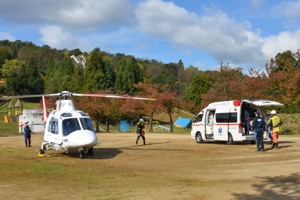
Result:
x=170 y=166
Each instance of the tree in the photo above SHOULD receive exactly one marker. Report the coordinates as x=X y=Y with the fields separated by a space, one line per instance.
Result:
x=284 y=79
x=94 y=74
x=59 y=75
x=226 y=85
x=128 y=73
x=149 y=107
x=13 y=73
x=200 y=85
x=34 y=82
x=4 y=55
x=168 y=103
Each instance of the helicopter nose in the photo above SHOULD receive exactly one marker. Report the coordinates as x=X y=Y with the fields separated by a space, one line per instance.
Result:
x=82 y=138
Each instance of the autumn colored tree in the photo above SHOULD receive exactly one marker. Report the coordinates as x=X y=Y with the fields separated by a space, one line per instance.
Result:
x=284 y=79
x=98 y=109
x=150 y=107
x=168 y=102
x=226 y=85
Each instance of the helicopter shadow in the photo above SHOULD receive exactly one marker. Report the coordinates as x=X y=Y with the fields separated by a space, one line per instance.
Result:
x=99 y=153
x=105 y=153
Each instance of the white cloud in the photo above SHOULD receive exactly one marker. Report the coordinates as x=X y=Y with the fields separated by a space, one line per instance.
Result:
x=282 y=42
x=6 y=36
x=56 y=37
x=289 y=9
x=75 y=14
x=96 y=13
x=217 y=34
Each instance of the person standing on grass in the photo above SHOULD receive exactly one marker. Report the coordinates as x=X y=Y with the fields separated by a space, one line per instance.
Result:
x=140 y=131
x=258 y=128
x=27 y=135
x=274 y=123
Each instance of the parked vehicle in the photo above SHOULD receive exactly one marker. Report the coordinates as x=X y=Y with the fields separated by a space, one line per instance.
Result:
x=225 y=121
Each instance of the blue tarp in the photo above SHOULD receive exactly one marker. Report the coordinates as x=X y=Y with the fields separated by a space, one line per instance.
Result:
x=124 y=126
x=183 y=122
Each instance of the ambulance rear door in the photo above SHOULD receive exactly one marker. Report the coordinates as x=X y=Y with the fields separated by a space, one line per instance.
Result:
x=261 y=102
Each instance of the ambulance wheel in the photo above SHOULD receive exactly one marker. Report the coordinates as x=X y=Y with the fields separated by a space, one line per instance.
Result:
x=230 y=139
x=199 y=138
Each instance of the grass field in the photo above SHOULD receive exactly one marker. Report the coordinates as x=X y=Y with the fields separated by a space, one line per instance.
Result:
x=170 y=166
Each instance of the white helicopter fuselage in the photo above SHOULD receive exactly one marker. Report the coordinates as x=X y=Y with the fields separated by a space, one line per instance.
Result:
x=67 y=128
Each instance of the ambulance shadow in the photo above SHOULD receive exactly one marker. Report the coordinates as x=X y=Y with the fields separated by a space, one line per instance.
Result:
x=275 y=187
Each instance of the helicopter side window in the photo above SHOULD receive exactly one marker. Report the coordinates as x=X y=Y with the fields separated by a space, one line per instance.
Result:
x=70 y=125
x=53 y=126
x=87 y=124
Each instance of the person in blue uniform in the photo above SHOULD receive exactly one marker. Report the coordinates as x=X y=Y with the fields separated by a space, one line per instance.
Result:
x=258 y=127
x=27 y=135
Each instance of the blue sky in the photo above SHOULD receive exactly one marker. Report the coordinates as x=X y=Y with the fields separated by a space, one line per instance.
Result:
x=241 y=33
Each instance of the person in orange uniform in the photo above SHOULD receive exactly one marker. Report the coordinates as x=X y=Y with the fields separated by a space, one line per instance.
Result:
x=274 y=122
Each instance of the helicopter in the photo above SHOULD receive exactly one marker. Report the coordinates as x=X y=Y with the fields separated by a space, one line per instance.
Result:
x=67 y=128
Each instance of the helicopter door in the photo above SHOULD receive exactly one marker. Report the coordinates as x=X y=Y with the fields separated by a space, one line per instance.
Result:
x=52 y=133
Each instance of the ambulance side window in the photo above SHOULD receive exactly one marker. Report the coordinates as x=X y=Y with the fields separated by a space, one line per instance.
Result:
x=232 y=117
x=222 y=117
x=226 y=117
x=198 y=118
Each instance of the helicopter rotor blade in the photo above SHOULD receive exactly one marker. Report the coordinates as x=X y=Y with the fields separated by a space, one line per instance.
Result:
x=113 y=96
x=70 y=94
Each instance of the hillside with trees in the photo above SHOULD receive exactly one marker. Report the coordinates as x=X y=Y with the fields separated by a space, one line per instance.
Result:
x=26 y=68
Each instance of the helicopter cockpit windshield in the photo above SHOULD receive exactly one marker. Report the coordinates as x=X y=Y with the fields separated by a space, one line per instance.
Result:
x=70 y=125
x=87 y=124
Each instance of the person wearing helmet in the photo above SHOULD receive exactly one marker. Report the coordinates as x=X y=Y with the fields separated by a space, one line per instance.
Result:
x=274 y=123
x=258 y=127
x=140 y=131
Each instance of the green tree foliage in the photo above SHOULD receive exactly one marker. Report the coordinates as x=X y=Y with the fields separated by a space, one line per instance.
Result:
x=4 y=55
x=59 y=76
x=13 y=72
x=128 y=73
x=94 y=74
x=199 y=86
x=75 y=52
x=34 y=82
x=21 y=78
x=171 y=74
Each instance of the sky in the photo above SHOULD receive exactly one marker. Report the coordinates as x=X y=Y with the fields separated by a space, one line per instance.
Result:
x=202 y=33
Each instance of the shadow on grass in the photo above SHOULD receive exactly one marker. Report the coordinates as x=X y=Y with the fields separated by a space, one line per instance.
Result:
x=99 y=153
x=277 y=187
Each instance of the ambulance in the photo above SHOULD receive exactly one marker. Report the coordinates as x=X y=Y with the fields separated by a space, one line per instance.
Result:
x=225 y=121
